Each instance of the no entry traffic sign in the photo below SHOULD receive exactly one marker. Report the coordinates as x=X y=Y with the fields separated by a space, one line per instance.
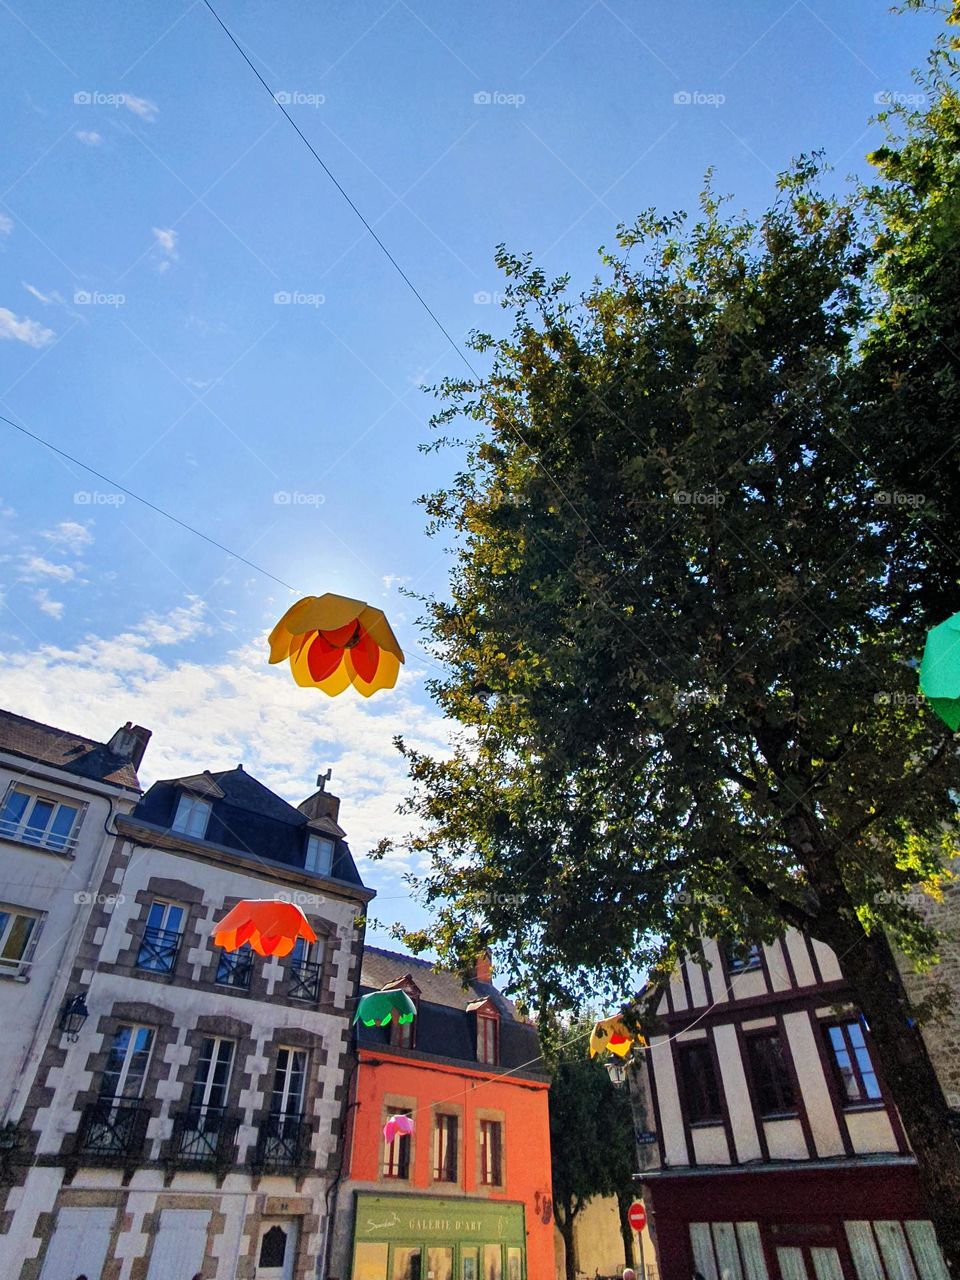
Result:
x=637 y=1217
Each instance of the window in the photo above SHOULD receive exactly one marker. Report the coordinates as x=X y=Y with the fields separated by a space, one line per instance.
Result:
x=40 y=820
x=161 y=937
x=288 y=1082
x=396 y=1154
x=772 y=1088
x=306 y=970
x=491 y=1153
x=701 y=1090
x=487 y=1039
x=740 y=958
x=127 y=1062
x=446 y=1134
x=852 y=1064
x=235 y=969
x=17 y=930
x=319 y=855
x=192 y=815
x=401 y=1034
x=213 y=1075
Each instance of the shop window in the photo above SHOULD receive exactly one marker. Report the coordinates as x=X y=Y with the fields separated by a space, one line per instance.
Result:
x=492 y=1262
x=370 y=1261
x=852 y=1064
x=772 y=1088
x=407 y=1264
x=701 y=1090
x=396 y=1154
x=440 y=1263
x=491 y=1156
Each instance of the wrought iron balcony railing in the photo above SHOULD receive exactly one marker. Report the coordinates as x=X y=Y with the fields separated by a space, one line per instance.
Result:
x=303 y=982
x=283 y=1143
x=113 y=1129
x=235 y=969
x=204 y=1136
x=159 y=949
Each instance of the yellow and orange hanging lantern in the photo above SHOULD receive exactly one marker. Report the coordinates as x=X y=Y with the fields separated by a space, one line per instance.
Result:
x=333 y=642
x=270 y=927
x=614 y=1036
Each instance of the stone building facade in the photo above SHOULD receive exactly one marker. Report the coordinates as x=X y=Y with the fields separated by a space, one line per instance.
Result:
x=58 y=792
x=190 y=1127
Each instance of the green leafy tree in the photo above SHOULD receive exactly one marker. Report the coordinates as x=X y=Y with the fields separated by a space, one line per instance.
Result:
x=677 y=641
x=591 y=1141
x=911 y=366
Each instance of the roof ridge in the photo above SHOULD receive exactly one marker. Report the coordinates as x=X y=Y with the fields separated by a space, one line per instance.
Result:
x=52 y=728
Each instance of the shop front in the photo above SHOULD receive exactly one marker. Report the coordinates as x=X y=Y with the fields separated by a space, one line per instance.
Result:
x=402 y=1237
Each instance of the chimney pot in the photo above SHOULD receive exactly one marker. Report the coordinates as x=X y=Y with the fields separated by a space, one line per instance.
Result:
x=130 y=743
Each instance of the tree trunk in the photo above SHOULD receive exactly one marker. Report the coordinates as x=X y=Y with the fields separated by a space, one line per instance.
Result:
x=565 y=1221
x=871 y=970
x=626 y=1231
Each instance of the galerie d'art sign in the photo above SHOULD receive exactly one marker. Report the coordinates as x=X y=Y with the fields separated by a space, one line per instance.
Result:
x=401 y=1218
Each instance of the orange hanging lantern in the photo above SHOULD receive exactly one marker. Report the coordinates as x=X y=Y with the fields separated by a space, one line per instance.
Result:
x=270 y=927
x=333 y=642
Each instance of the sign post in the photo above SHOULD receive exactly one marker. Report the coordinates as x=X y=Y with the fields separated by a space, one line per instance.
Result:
x=637 y=1217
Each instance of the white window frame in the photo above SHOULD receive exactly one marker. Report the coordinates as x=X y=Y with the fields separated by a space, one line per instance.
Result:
x=21 y=965
x=46 y=840
x=209 y=1081
x=286 y=1093
x=320 y=854
x=189 y=806
x=118 y=1096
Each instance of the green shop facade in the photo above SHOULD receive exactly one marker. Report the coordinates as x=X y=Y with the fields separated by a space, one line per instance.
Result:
x=401 y=1237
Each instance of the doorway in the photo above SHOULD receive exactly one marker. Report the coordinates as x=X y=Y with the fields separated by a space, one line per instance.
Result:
x=277 y=1248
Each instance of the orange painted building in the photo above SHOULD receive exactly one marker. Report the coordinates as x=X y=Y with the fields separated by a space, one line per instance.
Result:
x=467 y=1195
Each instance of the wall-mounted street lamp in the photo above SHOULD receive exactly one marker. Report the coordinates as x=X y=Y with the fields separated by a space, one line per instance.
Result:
x=73 y=1015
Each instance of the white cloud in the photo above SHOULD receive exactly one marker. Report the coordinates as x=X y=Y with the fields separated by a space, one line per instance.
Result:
x=141 y=107
x=37 y=567
x=28 y=331
x=391 y=580
x=182 y=623
x=6 y=225
x=166 y=243
x=53 y=608
x=236 y=708
x=69 y=534
x=89 y=137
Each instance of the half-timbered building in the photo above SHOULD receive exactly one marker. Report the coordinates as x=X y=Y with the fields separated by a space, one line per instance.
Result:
x=779 y=1154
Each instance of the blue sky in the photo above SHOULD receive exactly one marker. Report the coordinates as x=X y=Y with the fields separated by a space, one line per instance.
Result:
x=156 y=210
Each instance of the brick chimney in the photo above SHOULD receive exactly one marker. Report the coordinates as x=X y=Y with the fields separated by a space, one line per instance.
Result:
x=130 y=743
x=322 y=804
x=482 y=968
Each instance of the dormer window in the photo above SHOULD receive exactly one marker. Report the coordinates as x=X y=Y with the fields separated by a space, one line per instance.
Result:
x=193 y=813
x=488 y=1039
x=319 y=855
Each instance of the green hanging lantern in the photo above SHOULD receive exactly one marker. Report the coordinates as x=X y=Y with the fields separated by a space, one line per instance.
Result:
x=940 y=671
x=376 y=1009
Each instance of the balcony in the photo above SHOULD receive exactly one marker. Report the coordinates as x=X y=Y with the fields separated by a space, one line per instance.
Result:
x=283 y=1144
x=40 y=838
x=235 y=969
x=159 y=950
x=303 y=981
x=112 y=1131
x=204 y=1137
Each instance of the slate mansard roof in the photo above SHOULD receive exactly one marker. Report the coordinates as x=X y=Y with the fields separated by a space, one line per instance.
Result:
x=61 y=749
x=247 y=817
x=446 y=1025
